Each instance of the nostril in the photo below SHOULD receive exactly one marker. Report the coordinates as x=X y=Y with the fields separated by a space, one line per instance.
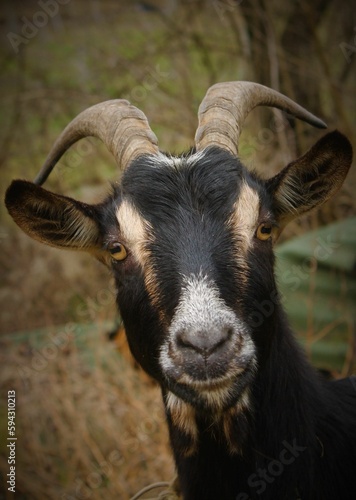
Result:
x=184 y=340
x=219 y=344
x=229 y=333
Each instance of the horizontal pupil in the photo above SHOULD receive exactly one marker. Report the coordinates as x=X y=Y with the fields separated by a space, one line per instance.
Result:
x=266 y=229
x=114 y=250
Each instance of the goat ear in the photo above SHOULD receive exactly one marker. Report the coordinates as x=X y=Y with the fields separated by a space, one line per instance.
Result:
x=312 y=179
x=53 y=219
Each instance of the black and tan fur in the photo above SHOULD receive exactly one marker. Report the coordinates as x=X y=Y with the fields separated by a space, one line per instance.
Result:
x=237 y=392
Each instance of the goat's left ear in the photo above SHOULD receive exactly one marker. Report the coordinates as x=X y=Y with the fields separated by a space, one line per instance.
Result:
x=312 y=179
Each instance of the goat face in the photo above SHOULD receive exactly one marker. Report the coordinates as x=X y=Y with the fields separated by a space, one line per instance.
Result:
x=195 y=254
x=189 y=239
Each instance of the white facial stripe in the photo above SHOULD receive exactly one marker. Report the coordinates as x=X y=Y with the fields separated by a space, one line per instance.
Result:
x=200 y=305
x=200 y=308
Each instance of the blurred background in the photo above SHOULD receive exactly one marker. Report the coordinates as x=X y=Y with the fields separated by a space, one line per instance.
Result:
x=89 y=424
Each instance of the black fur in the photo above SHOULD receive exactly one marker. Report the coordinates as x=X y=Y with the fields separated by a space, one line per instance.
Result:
x=298 y=440
x=294 y=436
x=294 y=410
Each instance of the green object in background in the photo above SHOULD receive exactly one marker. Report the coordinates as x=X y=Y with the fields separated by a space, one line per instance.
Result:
x=316 y=276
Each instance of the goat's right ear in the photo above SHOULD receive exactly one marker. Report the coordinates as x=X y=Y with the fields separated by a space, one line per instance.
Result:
x=54 y=219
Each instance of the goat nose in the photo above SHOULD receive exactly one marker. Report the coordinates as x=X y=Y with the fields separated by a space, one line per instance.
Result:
x=204 y=342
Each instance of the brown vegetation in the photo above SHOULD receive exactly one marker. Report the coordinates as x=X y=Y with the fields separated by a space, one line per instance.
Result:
x=87 y=426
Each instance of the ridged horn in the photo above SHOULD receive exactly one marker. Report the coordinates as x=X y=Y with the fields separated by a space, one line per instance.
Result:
x=123 y=128
x=226 y=105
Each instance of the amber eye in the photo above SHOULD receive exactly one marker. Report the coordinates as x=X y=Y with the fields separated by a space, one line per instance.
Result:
x=264 y=231
x=118 y=251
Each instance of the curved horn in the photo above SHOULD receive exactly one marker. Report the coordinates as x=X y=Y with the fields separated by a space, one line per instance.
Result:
x=123 y=128
x=226 y=105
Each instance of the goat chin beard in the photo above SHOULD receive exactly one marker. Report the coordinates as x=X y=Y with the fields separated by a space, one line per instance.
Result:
x=187 y=419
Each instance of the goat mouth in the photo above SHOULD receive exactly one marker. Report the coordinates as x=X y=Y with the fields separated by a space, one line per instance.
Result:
x=213 y=394
x=210 y=383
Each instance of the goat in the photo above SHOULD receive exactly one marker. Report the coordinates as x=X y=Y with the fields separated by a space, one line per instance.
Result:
x=190 y=243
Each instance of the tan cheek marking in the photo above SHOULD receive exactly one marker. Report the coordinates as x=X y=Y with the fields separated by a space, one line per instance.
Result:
x=152 y=288
x=137 y=232
x=134 y=230
x=242 y=223
x=183 y=417
x=245 y=217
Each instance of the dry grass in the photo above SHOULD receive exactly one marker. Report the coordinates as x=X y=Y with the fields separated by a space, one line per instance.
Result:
x=43 y=286
x=87 y=426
